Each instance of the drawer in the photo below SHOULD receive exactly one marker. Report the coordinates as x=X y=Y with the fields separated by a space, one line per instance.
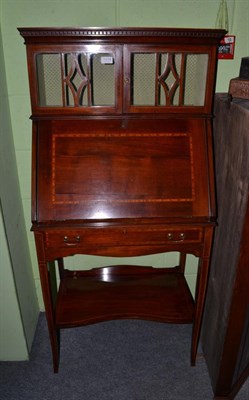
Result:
x=122 y=236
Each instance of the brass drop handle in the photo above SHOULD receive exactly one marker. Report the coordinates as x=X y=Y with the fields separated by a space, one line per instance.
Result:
x=72 y=242
x=170 y=236
x=181 y=236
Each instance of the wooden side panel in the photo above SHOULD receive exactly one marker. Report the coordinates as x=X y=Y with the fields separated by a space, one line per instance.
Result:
x=227 y=304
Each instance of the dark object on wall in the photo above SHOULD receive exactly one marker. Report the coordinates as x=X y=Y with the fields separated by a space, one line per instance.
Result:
x=244 y=68
x=225 y=335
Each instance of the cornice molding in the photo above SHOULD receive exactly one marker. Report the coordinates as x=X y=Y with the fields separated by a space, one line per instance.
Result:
x=121 y=32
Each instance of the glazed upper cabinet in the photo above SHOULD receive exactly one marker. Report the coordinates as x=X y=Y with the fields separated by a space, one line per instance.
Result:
x=86 y=78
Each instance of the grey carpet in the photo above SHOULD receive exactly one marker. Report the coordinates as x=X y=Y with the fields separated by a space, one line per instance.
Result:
x=116 y=360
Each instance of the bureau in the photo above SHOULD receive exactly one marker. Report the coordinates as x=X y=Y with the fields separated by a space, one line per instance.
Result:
x=122 y=166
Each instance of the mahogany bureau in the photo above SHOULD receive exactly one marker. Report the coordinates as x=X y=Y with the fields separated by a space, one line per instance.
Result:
x=122 y=166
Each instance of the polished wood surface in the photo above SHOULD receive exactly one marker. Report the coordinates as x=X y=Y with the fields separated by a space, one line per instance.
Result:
x=122 y=166
x=102 y=170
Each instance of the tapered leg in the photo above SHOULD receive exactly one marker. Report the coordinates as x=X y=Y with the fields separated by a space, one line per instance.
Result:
x=48 y=298
x=48 y=284
x=202 y=279
x=61 y=267
x=201 y=289
x=182 y=262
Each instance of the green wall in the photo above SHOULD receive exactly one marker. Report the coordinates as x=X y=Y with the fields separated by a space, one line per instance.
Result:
x=18 y=299
x=12 y=338
x=165 y=13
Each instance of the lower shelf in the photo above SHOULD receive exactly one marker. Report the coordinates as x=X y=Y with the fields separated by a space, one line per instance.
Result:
x=118 y=292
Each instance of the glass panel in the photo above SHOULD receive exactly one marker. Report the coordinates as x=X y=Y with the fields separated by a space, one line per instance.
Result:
x=76 y=79
x=49 y=80
x=195 y=79
x=103 y=78
x=168 y=79
x=143 y=79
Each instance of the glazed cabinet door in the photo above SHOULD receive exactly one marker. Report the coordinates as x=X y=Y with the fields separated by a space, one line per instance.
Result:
x=160 y=79
x=76 y=79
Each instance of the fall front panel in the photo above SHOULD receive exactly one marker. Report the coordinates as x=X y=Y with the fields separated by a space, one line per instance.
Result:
x=111 y=169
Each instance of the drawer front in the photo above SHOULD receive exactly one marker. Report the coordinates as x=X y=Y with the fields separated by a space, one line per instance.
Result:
x=122 y=236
